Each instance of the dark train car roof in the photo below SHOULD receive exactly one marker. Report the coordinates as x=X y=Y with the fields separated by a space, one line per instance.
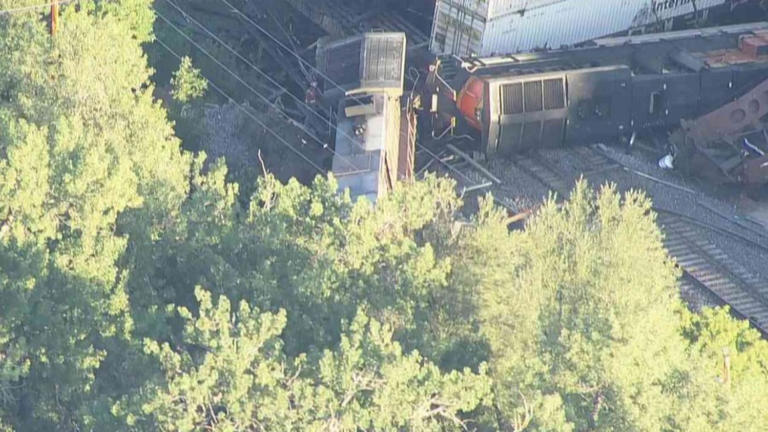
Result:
x=364 y=63
x=646 y=54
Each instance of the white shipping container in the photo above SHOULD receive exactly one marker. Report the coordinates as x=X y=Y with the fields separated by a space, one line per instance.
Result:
x=497 y=8
x=496 y=27
x=458 y=28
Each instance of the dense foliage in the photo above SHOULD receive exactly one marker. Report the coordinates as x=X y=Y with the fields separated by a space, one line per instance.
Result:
x=187 y=82
x=140 y=291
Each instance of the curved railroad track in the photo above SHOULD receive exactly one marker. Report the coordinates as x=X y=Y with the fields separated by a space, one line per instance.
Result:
x=714 y=269
x=704 y=264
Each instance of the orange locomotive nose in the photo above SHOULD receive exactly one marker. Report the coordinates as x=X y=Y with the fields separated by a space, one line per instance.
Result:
x=470 y=102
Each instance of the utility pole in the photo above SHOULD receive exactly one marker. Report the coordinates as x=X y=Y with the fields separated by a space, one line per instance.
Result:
x=54 y=15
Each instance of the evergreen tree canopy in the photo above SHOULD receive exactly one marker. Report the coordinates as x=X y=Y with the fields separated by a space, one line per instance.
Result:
x=187 y=82
x=141 y=291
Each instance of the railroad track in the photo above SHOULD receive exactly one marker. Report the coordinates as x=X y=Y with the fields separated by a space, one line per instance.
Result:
x=594 y=161
x=704 y=264
x=715 y=270
x=540 y=169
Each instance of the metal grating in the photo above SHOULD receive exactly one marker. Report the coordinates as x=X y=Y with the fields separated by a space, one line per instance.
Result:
x=512 y=98
x=554 y=94
x=533 y=96
x=383 y=59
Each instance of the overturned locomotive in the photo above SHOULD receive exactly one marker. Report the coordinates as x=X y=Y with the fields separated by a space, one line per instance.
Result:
x=615 y=90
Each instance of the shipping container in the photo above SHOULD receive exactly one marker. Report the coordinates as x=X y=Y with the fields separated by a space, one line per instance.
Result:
x=498 y=27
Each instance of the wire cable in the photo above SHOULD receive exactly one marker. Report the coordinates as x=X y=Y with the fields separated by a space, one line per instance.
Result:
x=33 y=7
x=248 y=113
x=284 y=46
x=324 y=76
x=264 y=74
x=168 y=21
x=238 y=55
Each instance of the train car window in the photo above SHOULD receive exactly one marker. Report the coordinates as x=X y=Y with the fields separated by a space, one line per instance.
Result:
x=512 y=98
x=554 y=95
x=533 y=96
x=656 y=103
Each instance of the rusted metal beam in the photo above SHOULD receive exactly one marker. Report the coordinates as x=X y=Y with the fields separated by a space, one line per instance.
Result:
x=727 y=128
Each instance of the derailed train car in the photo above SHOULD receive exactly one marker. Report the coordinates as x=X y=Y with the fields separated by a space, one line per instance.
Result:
x=608 y=92
x=363 y=86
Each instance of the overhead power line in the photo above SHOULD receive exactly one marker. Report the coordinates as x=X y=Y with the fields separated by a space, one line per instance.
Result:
x=293 y=53
x=250 y=114
x=261 y=96
x=321 y=74
x=324 y=76
x=245 y=60
x=283 y=46
x=269 y=78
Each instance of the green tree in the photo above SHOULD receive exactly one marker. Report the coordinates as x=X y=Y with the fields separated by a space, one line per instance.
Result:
x=350 y=316
x=87 y=162
x=736 y=356
x=581 y=325
x=311 y=252
x=232 y=375
x=187 y=82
